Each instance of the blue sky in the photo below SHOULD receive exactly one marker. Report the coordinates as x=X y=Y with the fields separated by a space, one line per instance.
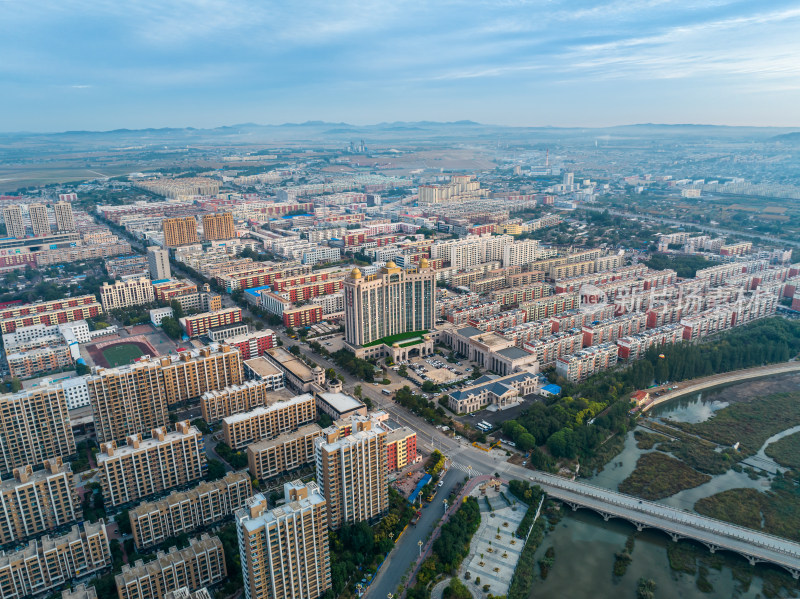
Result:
x=104 y=64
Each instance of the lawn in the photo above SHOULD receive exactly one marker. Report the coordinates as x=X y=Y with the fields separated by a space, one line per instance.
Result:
x=749 y=423
x=657 y=476
x=786 y=451
x=397 y=338
x=121 y=354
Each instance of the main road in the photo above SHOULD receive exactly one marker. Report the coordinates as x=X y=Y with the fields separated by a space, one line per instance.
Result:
x=707 y=228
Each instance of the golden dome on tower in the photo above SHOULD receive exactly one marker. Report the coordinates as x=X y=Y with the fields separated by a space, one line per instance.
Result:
x=424 y=263
x=391 y=264
x=355 y=273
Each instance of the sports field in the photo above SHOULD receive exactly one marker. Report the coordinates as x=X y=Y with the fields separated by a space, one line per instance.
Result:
x=120 y=354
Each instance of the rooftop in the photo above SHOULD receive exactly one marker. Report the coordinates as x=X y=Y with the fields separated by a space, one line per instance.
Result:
x=266 y=409
x=514 y=353
x=308 y=429
x=341 y=402
x=260 y=365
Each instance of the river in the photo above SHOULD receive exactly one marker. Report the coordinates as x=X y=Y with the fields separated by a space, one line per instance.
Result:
x=585 y=544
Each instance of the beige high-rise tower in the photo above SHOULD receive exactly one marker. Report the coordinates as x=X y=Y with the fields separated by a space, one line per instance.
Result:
x=218 y=226
x=352 y=473
x=284 y=552
x=390 y=302
x=65 y=221
x=34 y=427
x=127 y=400
x=15 y=226
x=40 y=223
x=179 y=231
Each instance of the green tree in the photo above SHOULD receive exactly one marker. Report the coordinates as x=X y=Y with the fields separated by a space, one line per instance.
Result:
x=215 y=471
x=171 y=327
x=177 y=309
x=357 y=391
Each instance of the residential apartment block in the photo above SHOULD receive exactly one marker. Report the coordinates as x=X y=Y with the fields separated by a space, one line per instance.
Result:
x=191 y=373
x=127 y=400
x=254 y=344
x=283 y=453
x=582 y=364
x=218 y=226
x=40 y=222
x=49 y=313
x=37 y=500
x=352 y=473
x=273 y=544
x=263 y=422
x=179 y=231
x=200 y=565
x=34 y=427
x=182 y=512
x=65 y=221
x=145 y=467
x=54 y=561
x=196 y=325
x=124 y=294
x=15 y=225
x=219 y=403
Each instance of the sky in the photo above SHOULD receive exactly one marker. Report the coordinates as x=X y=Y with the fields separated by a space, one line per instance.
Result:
x=107 y=64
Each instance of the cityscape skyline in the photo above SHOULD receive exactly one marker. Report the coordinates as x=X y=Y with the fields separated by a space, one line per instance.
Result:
x=109 y=66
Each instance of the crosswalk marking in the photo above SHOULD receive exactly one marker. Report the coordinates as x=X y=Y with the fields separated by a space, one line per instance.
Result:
x=466 y=470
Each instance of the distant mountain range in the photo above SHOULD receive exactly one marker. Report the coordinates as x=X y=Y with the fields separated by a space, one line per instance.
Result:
x=418 y=133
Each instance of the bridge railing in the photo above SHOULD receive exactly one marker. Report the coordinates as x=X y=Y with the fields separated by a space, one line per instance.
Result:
x=725 y=529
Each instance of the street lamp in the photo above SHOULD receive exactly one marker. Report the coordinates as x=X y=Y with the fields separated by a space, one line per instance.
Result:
x=469 y=468
x=420 y=547
x=444 y=501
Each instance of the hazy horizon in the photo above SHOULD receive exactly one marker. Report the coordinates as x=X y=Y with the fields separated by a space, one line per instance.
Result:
x=98 y=66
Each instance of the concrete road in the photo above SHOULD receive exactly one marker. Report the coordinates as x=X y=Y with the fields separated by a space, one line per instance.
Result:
x=406 y=549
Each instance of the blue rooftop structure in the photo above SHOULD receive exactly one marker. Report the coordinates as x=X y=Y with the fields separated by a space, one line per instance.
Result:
x=423 y=481
x=552 y=389
x=256 y=291
x=161 y=281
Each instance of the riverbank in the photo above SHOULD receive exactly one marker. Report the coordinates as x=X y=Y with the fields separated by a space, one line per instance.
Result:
x=695 y=385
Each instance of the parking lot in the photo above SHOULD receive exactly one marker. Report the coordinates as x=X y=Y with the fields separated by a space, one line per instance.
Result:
x=438 y=370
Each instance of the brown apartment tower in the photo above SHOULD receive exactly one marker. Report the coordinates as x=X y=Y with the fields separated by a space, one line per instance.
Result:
x=180 y=231
x=284 y=552
x=34 y=427
x=218 y=226
x=352 y=473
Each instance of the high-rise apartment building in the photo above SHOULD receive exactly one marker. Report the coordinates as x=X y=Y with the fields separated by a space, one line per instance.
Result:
x=199 y=565
x=352 y=473
x=51 y=562
x=240 y=430
x=389 y=302
x=196 y=325
x=194 y=372
x=127 y=400
x=145 y=467
x=34 y=427
x=15 y=226
x=179 y=231
x=219 y=403
x=65 y=221
x=283 y=453
x=49 y=313
x=158 y=263
x=218 y=226
x=284 y=552
x=124 y=294
x=37 y=500
x=182 y=512
x=40 y=223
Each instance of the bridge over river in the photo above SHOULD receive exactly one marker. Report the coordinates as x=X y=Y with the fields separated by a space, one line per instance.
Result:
x=714 y=534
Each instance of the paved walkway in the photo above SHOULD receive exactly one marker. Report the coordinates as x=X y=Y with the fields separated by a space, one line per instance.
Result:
x=426 y=552
x=695 y=385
